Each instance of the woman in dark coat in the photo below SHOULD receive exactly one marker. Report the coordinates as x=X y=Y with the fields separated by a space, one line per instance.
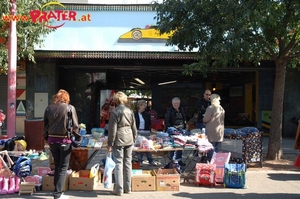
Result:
x=143 y=122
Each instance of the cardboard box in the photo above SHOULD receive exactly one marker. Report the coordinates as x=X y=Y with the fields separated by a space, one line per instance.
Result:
x=167 y=179
x=144 y=181
x=48 y=183
x=80 y=181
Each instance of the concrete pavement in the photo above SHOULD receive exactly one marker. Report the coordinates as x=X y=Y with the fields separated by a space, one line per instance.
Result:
x=259 y=185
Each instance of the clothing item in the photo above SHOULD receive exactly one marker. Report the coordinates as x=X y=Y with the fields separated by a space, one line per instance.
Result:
x=152 y=163
x=214 y=123
x=200 y=125
x=181 y=163
x=63 y=197
x=59 y=140
x=202 y=106
x=147 y=126
x=56 y=119
x=147 y=120
x=142 y=121
x=61 y=154
x=215 y=150
x=148 y=155
x=122 y=156
x=174 y=118
x=177 y=155
x=122 y=128
x=116 y=194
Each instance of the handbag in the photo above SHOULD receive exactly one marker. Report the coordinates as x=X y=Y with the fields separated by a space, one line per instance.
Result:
x=74 y=141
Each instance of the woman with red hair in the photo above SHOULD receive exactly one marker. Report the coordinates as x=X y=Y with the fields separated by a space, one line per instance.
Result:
x=56 y=118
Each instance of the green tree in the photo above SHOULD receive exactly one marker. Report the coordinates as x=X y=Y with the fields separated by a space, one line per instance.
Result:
x=29 y=34
x=226 y=33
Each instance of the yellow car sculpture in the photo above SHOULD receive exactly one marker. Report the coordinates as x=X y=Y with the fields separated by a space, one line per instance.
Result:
x=147 y=35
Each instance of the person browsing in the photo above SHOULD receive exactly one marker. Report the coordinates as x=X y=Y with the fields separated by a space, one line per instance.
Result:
x=203 y=103
x=122 y=134
x=175 y=117
x=143 y=122
x=214 y=121
x=56 y=134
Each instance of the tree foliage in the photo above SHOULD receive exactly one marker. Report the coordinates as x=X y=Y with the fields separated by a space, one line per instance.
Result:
x=29 y=34
x=226 y=33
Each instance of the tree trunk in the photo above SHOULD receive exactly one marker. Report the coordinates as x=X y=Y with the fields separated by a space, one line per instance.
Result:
x=275 y=137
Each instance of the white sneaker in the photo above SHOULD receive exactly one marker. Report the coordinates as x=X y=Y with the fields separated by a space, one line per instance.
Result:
x=63 y=197
x=153 y=164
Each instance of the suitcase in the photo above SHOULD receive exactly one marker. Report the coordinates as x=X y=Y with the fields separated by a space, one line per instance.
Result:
x=234 y=175
x=205 y=174
x=220 y=159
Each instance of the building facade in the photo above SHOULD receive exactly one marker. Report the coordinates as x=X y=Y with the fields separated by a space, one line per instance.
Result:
x=108 y=46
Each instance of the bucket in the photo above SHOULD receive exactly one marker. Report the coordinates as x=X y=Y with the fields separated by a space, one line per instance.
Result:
x=97 y=133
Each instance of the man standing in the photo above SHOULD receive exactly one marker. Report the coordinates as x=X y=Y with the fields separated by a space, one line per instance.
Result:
x=203 y=103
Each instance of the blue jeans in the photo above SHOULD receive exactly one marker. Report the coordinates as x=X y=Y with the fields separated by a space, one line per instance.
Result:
x=176 y=155
x=215 y=150
x=61 y=154
x=148 y=155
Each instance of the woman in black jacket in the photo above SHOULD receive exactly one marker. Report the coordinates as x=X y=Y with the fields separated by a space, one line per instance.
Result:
x=175 y=117
x=56 y=134
x=143 y=122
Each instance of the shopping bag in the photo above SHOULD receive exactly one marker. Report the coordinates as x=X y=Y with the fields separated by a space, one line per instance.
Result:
x=94 y=170
x=108 y=169
x=234 y=175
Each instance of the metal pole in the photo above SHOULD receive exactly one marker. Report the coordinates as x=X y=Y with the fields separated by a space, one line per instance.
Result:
x=12 y=76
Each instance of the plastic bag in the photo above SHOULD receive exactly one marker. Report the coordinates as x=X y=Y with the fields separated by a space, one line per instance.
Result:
x=94 y=170
x=109 y=167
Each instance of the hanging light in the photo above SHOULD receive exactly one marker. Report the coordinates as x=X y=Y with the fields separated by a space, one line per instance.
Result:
x=135 y=83
x=170 y=82
x=139 y=81
x=214 y=87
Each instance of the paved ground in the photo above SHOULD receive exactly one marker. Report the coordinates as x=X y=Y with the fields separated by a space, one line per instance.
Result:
x=261 y=184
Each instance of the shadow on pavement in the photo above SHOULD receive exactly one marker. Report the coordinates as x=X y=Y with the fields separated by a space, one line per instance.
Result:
x=284 y=176
x=236 y=196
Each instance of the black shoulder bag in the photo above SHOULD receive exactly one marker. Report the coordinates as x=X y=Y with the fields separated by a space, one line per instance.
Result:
x=70 y=127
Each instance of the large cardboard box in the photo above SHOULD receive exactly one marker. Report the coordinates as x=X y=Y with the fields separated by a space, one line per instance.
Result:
x=167 y=179
x=48 y=183
x=144 y=181
x=81 y=181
